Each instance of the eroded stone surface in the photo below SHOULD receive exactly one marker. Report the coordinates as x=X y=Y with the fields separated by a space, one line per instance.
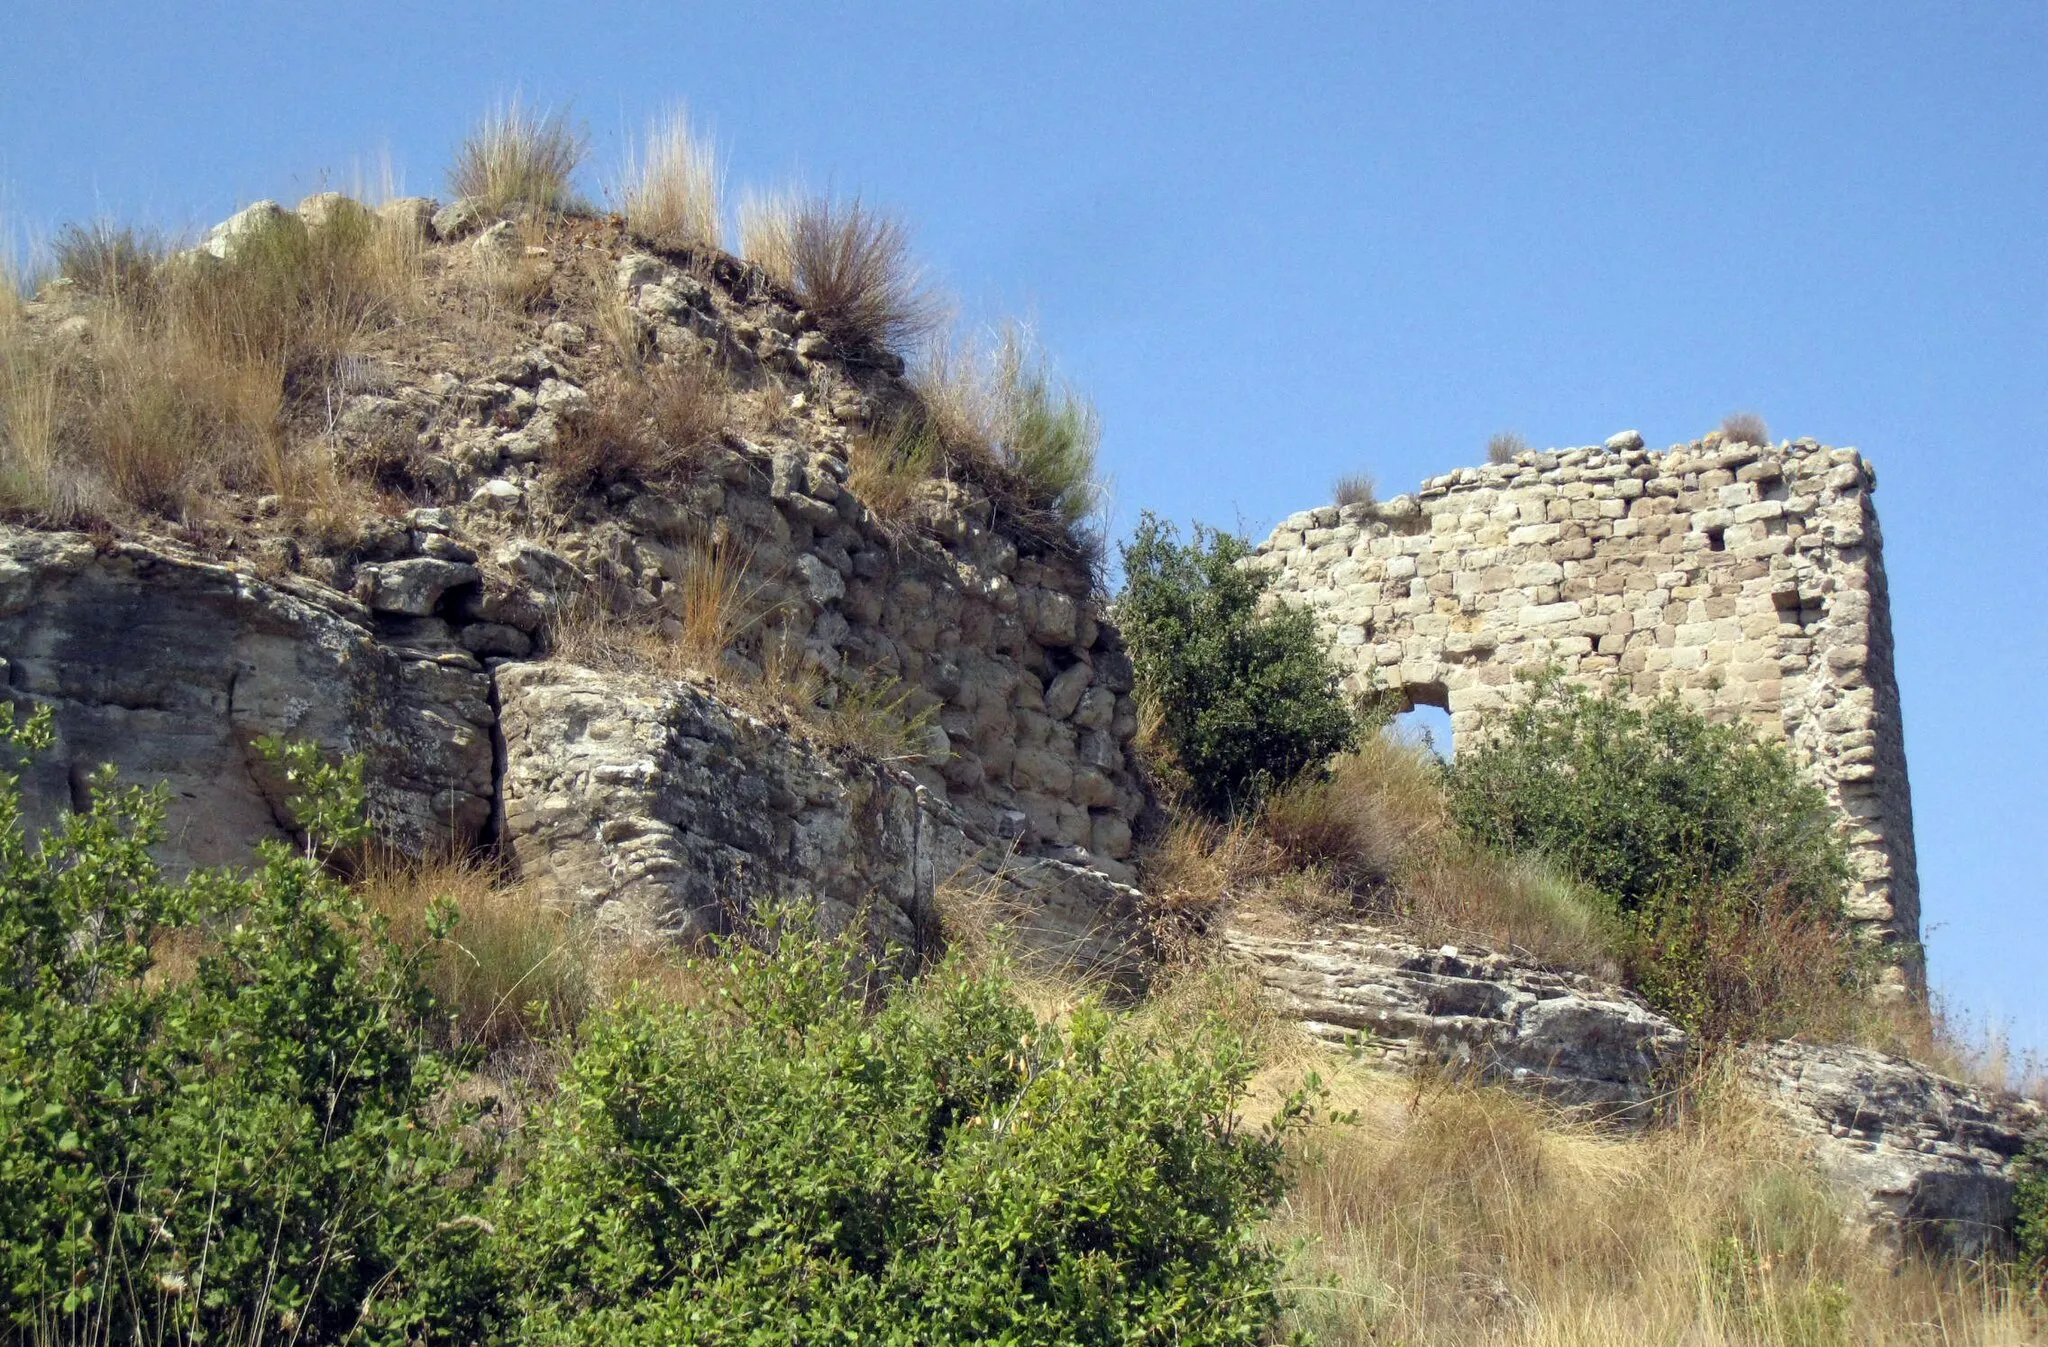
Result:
x=1929 y=1160
x=1560 y=1035
x=666 y=813
x=170 y=669
x=1748 y=580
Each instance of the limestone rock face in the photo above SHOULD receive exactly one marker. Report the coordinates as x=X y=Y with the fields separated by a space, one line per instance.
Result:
x=171 y=668
x=1930 y=1159
x=666 y=813
x=1560 y=1035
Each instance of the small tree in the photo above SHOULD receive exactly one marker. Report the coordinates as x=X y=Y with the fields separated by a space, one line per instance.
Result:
x=1247 y=696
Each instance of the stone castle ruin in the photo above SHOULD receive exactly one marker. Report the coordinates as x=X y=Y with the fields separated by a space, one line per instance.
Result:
x=1747 y=579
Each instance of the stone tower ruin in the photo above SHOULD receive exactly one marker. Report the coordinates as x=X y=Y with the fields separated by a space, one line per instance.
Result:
x=1748 y=580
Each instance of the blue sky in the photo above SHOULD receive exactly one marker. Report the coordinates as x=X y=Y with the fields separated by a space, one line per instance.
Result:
x=1281 y=242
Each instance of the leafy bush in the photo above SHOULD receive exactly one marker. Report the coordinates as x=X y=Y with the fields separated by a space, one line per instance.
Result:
x=239 y=1149
x=2030 y=1201
x=782 y=1163
x=1723 y=866
x=1246 y=700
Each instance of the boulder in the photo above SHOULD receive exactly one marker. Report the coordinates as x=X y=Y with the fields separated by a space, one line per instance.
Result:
x=1562 y=1035
x=170 y=668
x=1928 y=1160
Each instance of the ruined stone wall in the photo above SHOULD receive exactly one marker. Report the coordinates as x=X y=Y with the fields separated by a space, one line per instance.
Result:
x=1749 y=581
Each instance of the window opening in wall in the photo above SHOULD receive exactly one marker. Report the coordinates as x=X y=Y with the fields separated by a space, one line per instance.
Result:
x=1717 y=540
x=1427 y=720
x=1426 y=725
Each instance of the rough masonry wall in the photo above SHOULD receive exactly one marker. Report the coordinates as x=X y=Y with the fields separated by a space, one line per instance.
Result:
x=1748 y=580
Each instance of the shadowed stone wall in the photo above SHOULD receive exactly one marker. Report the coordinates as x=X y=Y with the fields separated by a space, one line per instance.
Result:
x=1749 y=580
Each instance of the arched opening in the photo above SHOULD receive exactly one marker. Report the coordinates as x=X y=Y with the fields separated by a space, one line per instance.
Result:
x=1427 y=719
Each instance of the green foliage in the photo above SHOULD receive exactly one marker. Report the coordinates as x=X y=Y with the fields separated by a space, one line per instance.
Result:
x=1246 y=699
x=1643 y=799
x=785 y=1163
x=1722 y=866
x=1050 y=440
x=236 y=1148
x=2030 y=1202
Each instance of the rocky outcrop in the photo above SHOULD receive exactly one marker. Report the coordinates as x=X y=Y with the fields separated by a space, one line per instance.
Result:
x=1929 y=1160
x=1560 y=1035
x=665 y=812
x=170 y=668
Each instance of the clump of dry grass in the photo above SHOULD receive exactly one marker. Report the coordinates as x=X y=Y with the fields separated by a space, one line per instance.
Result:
x=671 y=186
x=715 y=604
x=192 y=365
x=514 y=966
x=1451 y=1213
x=998 y=416
x=651 y=425
x=1355 y=488
x=1504 y=447
x=887 y=465
x=520 y=159
x=1745 y=428
x=849 y=265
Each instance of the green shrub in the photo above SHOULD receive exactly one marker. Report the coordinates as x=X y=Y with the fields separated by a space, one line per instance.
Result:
x=783 y=1162
x=2030 y=1202
x=235 y=1149
x=1723 y=867
x=1246 y=700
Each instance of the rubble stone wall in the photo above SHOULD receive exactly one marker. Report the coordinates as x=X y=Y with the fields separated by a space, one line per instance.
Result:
x=1748 y=580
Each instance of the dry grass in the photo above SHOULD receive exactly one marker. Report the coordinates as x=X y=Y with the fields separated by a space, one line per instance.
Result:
x=519 y=159
x=999 y=417
x=671 y=190
x=652 y=425
x=768 y=233
x=1454 y=1214
x=1746 y=428
x=514 y=967
x=1505 y=446
x=1355 y=488
x=849 y=265
x=195 y=369
x=716 y=604
x=887 y=466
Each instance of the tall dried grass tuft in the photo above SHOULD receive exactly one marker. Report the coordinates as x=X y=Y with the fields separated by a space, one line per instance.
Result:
x=768 y=233
x=671 y=186
x=1453 y=1214
x=520 y=159
x=887 y=465
x=1745 y=428
x=1504 y=447
x=195 y=362
x=514 y=967
x=1002 y=419
x=652 y=424
x=848 y=264
x=716 y=603
x=1355 y=488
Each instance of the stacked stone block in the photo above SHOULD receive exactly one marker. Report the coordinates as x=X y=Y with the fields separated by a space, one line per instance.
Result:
x=1748 y=580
